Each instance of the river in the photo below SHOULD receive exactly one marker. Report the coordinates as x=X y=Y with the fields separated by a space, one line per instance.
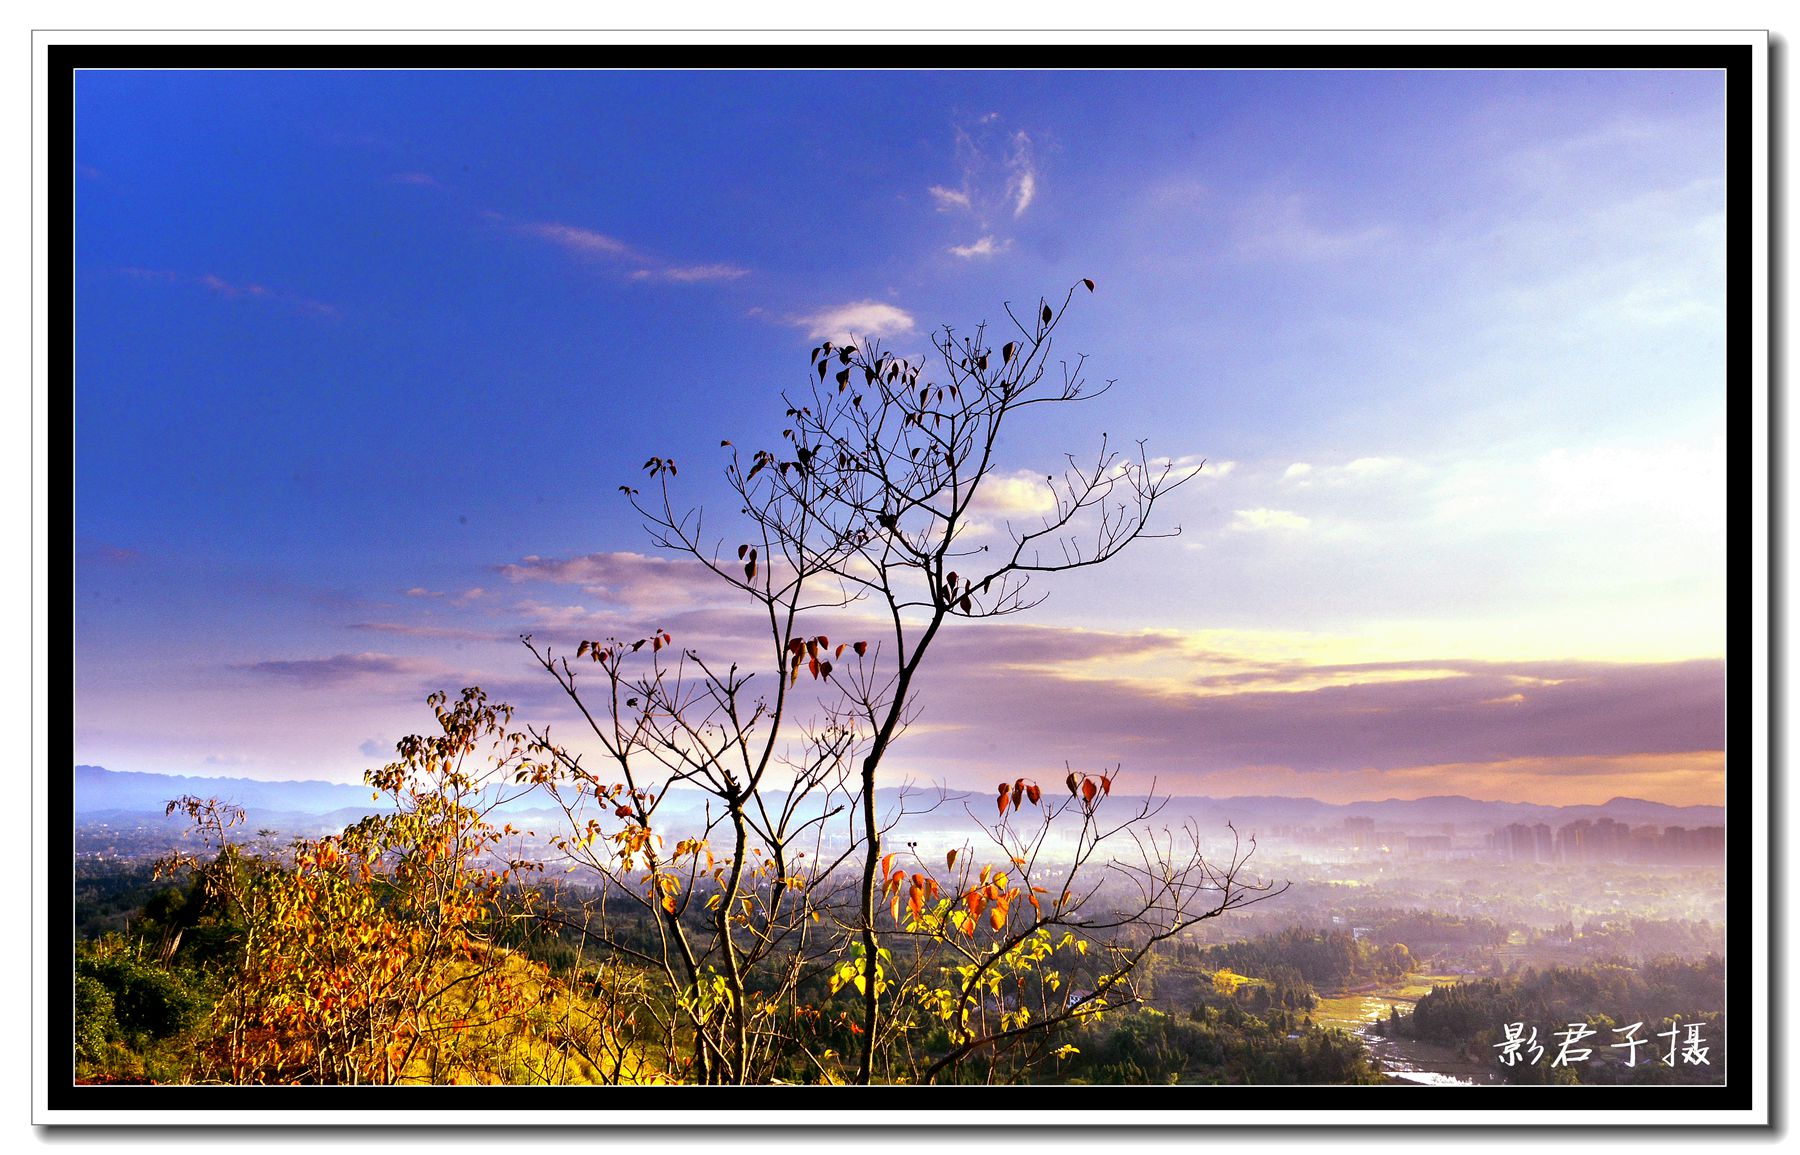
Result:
x=1402 y=1060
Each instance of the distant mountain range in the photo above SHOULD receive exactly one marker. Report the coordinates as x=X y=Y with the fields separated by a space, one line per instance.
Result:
x=103 y=795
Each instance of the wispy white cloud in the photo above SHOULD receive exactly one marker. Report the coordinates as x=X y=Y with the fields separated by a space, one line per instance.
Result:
x=1188 y=462
x=1023 y=184
x=1257 y=520
x=593 y=245
x=985 y=247
x=569 y=619
x=690 y=274
x=1023 y=492
x=226 y=288
x=231 y=290
x=1373 y=466
x=859 y=319
x=949 y=198
x=998 y=181
x=1305 y=475
x=577 y=239
x=632 y=581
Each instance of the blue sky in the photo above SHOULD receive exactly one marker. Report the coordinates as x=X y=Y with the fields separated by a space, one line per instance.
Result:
x=363 y=357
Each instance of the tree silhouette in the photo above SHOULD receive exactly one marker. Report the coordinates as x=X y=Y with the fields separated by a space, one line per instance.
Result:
x=867 y=516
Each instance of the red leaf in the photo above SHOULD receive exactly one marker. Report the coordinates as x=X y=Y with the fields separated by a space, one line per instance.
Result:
x=861 y=648
x=1032 y=792
x=1087 y=789
x=1089 y=282
x=1072 y=780
x=1105 y=784
x=950 y=861
x=1002 y=800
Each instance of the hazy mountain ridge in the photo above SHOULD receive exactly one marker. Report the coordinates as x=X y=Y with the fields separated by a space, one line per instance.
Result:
x=103 y=795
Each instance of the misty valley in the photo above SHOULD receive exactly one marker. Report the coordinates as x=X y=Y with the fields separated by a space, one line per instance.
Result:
x=1438 y=941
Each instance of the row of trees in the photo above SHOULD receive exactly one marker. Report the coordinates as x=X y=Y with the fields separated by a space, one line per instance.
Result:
x=786 y=934
x=1323 y=958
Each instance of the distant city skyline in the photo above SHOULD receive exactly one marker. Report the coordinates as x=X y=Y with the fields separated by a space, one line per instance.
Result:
x=363 y=357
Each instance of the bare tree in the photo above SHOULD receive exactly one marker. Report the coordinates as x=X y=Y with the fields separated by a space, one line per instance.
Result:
x=867 y=514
